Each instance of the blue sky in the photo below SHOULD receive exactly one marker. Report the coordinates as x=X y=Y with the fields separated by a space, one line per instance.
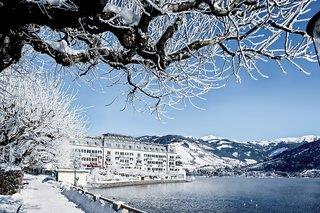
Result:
x=282 y=105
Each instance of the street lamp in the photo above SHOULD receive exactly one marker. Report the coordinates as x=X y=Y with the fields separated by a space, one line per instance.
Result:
x=313 y=30
x=103 y=156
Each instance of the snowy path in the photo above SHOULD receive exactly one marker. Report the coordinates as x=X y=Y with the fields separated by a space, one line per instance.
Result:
x=45 y=197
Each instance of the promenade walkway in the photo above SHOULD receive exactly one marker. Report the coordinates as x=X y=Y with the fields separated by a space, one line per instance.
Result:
x=38 y=197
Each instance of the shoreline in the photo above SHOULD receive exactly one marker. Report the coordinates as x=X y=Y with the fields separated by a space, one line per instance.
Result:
x=132 y=183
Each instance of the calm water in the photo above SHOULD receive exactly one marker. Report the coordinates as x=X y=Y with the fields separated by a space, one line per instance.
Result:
x=231 y=194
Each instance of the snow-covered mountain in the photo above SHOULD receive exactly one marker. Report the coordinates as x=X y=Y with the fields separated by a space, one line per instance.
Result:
x=214 y=152
x=289 y=140
x=304 y=157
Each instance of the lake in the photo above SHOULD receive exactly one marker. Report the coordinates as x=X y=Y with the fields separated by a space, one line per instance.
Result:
x=223 y=194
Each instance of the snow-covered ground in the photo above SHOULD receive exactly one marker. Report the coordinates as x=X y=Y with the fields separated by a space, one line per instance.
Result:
x=37 y=196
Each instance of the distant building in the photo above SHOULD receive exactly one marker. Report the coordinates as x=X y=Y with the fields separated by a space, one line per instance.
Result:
x=127 y=156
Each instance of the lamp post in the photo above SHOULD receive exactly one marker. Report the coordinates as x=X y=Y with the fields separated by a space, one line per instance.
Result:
x=103 y=156
x=75 y=167
x=313 y=30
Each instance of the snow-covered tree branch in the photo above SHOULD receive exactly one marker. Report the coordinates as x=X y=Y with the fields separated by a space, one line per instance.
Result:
x=169 y=50
x=37 y=118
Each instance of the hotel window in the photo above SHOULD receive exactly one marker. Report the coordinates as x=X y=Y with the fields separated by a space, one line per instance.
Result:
x=108 y=152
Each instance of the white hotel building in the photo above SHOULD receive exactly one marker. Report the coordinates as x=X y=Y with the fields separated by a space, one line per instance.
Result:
x=127 y=156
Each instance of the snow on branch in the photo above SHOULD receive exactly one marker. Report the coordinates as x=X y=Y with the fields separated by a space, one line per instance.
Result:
x=37 y=119
x=171 y=50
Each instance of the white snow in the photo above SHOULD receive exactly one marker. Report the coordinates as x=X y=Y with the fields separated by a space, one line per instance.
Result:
x=40 y=197
x=63 y=46
x=56 y=3
x=223 y=142
x=10 y=203
x=250 y=161
x=278 y=151
x=224 y=146
x=288 y=140
x=9 y=167
x=127 y=15
x=196 y=156
x=206 y=147
x=305 y=138
x=210 y=137
x=235 y=154
x=87 y=203
x=232 y=162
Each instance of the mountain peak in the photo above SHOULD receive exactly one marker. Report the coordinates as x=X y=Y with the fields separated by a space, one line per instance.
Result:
x=210 y=137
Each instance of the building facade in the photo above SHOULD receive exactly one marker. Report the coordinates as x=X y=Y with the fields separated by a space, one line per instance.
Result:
x=127 y=156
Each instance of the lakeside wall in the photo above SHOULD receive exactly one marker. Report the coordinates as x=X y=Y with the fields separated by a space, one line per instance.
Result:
x=134 y=183
x=96 y=204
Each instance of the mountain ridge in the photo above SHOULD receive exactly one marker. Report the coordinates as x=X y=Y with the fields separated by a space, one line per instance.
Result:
x=213 y=152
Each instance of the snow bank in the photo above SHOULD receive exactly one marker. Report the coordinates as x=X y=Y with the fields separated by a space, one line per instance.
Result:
x=10 y=203
x=9 y=167
x=90 y=203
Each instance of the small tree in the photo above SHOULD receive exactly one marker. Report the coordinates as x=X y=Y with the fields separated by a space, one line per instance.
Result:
x=37 y=119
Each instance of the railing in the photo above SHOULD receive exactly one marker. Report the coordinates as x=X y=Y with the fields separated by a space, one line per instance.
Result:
x=117 y=207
